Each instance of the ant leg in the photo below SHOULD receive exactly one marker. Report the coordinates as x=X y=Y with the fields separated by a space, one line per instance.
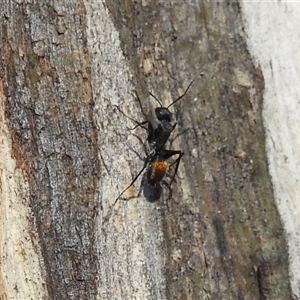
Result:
x=165 y=154
x=144 y=147
x=138 y=124
x=181 y=133
x=169 y=153
x=150 y=137
x=178 y=135
x=167 y=185
x=141 y=124
x=141 y=107
x=133 y=181
x=177 y=162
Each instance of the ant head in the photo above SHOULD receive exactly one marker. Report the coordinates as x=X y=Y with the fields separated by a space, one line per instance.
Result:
x=163 y=114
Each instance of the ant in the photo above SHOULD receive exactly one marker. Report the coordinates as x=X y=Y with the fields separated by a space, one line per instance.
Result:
x=156 y=160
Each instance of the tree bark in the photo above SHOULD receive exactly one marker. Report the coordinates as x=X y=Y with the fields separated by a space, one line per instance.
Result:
x=68 y=153
x=274 y=47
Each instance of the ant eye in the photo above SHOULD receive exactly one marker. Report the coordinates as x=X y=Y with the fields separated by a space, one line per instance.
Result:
x=163 y=114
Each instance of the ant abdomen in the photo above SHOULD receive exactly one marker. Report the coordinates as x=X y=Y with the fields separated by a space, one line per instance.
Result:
x=156 y=171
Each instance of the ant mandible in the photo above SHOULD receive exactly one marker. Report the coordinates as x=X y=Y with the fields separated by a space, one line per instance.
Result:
x=156 y=160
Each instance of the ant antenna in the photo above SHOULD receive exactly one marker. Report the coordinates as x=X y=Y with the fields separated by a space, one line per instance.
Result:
x=155 y=99
x=182 y=94
x=180 y=97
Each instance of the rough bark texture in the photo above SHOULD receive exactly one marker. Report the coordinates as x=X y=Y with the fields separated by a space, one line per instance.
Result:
x=69 y=153
x=274 y=47
x=49 y=109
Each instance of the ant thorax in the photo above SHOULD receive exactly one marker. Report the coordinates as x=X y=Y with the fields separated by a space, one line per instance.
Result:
x=161 y=134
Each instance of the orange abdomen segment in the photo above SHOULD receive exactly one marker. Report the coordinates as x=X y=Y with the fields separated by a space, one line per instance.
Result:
x=156 y=171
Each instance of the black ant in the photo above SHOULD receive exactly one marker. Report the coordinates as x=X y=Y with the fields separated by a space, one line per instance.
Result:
x=156 y=160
